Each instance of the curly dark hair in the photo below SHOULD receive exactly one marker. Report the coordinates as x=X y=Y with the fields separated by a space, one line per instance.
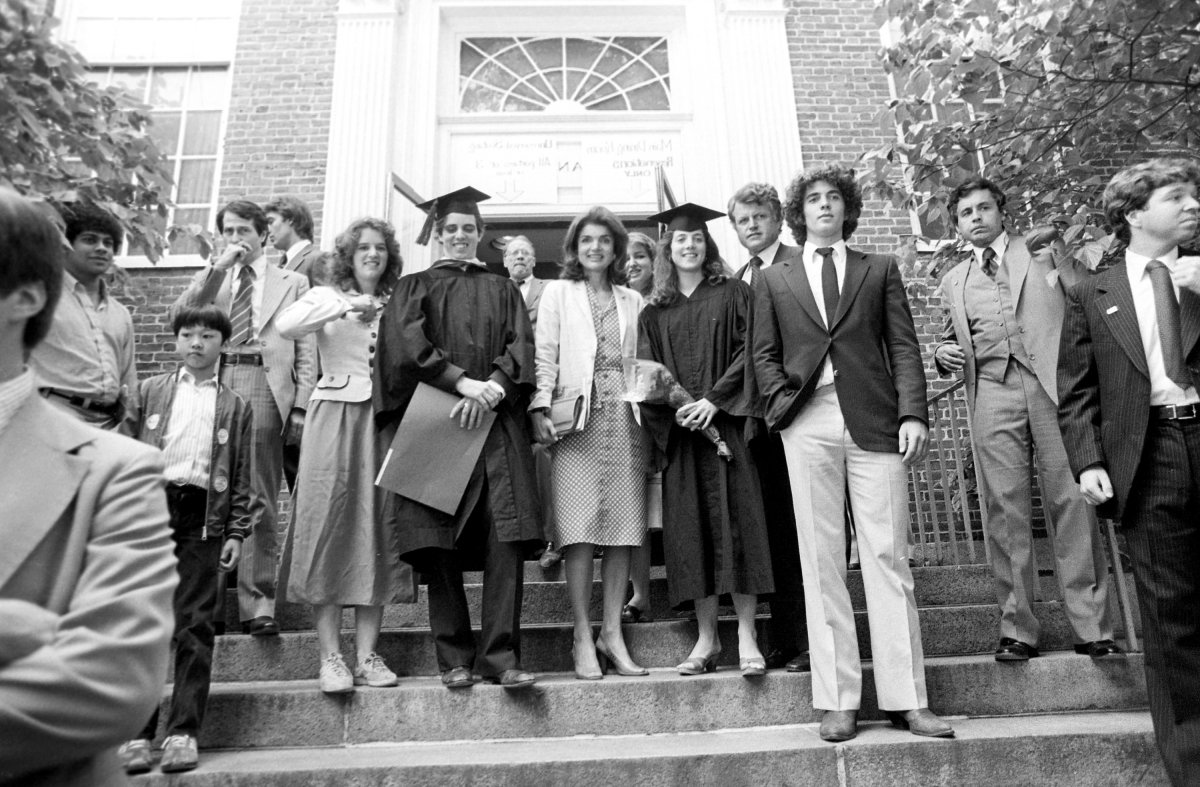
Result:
x=81 y=217
x=1130 y=189
x=977 y=183
x=339 y=271
x=841 y=178
x=666 y=277
x=572 y=269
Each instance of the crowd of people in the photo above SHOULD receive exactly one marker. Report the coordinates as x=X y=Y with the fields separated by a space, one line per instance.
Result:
x=776 y=401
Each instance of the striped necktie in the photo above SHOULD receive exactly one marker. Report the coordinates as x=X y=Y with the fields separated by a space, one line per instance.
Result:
x=241 y=315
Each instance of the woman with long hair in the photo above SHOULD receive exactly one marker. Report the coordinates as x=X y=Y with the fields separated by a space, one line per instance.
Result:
x=338 y=551
x=586 y=325
x=714 y=529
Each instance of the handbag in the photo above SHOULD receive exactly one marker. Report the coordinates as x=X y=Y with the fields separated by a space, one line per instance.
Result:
x=566 y=412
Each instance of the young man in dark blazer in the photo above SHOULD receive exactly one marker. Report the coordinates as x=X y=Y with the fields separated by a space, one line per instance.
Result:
x=1129 y=409
x=840 y=372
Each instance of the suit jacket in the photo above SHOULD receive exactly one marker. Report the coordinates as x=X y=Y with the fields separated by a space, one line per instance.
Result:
x=1037 y=289
x=534 y=298
x=872 y=343
x=304 y=265
x=565 y=340
x=291 y=365
x=83 y=518
x=781 y=254
x=1103 y=380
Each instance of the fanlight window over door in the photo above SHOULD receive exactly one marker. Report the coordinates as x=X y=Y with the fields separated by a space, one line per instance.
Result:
x=564 y=74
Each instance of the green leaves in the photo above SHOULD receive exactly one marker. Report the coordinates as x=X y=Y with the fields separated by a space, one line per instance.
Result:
x=64 y=138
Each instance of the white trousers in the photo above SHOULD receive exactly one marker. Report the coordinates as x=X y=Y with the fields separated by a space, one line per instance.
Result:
x=822 y=462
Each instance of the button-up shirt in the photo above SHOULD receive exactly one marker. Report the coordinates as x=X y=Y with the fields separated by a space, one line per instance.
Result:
x=998 y=245
x=89 y=349
x=767 y=256
x=13 y=395
x=813 y=263
x=187 y=443
x=1163 y=390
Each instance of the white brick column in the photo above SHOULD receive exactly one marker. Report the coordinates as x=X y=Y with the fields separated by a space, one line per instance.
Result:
x=360 y=134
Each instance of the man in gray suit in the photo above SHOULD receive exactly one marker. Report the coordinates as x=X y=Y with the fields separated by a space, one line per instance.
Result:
x=1002 y=329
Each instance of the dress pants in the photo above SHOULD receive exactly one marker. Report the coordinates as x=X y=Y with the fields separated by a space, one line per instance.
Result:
x=499 y=648
x=259 y=566
x=1008 y=420
x=194 y=602
x=1162 y=532
x=823 y=462
x=786 y=629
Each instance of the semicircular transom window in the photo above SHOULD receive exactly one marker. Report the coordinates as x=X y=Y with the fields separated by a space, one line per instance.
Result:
x=564 y=74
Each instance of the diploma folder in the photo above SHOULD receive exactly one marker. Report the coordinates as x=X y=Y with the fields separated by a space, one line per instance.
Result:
x=431 y=457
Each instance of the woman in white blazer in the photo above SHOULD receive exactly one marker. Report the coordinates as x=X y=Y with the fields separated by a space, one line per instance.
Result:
x=338 y=551
x=586 y=326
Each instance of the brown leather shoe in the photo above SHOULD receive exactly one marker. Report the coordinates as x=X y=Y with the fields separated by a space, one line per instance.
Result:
x=921 y=721
x=513 y=679
x=839 y=725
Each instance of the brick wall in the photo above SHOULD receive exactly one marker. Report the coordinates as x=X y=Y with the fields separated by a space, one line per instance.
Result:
x=278 y=130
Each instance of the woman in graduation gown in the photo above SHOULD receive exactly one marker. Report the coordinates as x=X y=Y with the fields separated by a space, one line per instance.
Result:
x=586 y=325
x=714 y=529
x=339 y=549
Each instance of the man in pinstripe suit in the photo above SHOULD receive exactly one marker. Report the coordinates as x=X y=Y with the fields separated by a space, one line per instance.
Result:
x=1129 y=408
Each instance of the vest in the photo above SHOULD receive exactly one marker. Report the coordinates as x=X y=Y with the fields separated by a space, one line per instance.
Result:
x=993 y=323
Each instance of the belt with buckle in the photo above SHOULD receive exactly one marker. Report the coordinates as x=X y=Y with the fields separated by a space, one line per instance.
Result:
x=242 y=359
x=1176 y=412
x=83 y=402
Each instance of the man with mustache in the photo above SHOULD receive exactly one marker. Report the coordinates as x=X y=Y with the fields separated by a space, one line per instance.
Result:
x=1004 y=314
x=85 y=364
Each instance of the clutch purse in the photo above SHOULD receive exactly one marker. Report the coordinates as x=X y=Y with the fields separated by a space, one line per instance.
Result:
x=566 y=412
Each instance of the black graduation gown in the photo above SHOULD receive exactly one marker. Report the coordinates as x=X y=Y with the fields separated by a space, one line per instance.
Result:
x=457 y=317
x=714 y=529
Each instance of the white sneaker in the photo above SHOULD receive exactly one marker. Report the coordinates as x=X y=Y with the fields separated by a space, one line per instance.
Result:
x=134 y=756
x=179 y=754
x=371 y=671
x=335 y=675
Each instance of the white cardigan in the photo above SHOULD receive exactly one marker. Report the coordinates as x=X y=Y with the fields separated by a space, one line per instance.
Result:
x=345 y=344
x=566 y=339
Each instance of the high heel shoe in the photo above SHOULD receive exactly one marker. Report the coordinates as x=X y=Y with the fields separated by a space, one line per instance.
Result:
x=581 y=674
x=753 y=667
x=698 y=665
x=603 y=654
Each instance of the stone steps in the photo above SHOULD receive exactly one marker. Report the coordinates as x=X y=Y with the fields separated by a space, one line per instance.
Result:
x=1108 y=748
x=546 y=647
x=296 y=713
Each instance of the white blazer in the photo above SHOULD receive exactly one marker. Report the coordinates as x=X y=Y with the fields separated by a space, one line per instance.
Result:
x=565 y=342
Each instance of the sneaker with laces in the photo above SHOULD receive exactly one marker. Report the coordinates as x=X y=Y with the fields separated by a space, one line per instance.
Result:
x=134 y=756
x=179 y=754
x=371 y=671
x=335 y=675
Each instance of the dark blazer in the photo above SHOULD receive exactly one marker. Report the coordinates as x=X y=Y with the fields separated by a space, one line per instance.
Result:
x=305 y=265
x=873 y=345
x=783 y=253
x=1103 y=380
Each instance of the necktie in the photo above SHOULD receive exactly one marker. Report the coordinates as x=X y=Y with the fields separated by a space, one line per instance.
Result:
x=241 y=314
x=283 y=260
x=1166 y=308
x=829 y=284
x=989 y=262
x=755 y=271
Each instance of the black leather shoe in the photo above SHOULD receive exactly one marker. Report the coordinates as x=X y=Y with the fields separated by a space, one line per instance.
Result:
x=513 y=679
x=632 y=614
x=778 y=658
x=1015 y=650
x=801 y=663
x=1101 y=650
x=458 y=678
x=262 y=626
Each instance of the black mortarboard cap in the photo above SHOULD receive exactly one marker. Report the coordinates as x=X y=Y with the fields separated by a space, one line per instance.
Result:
x=462 y=200
x=687 y=217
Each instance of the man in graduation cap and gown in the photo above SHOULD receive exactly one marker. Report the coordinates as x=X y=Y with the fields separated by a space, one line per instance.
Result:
x=464 y=330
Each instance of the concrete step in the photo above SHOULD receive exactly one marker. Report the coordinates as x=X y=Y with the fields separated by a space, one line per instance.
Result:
x=662 y=643
x=545 y=597
x=296 y=713
x=1111 y=748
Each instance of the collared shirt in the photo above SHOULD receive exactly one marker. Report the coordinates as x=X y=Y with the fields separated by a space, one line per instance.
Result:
x=259 y=266
x=295 y=249
x=999 y=245
x=13 y=395
x=89 y=349
x=523 y=287
x=767 y=256
x=1163 y=389
x=187 y=444
x=813 y=263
